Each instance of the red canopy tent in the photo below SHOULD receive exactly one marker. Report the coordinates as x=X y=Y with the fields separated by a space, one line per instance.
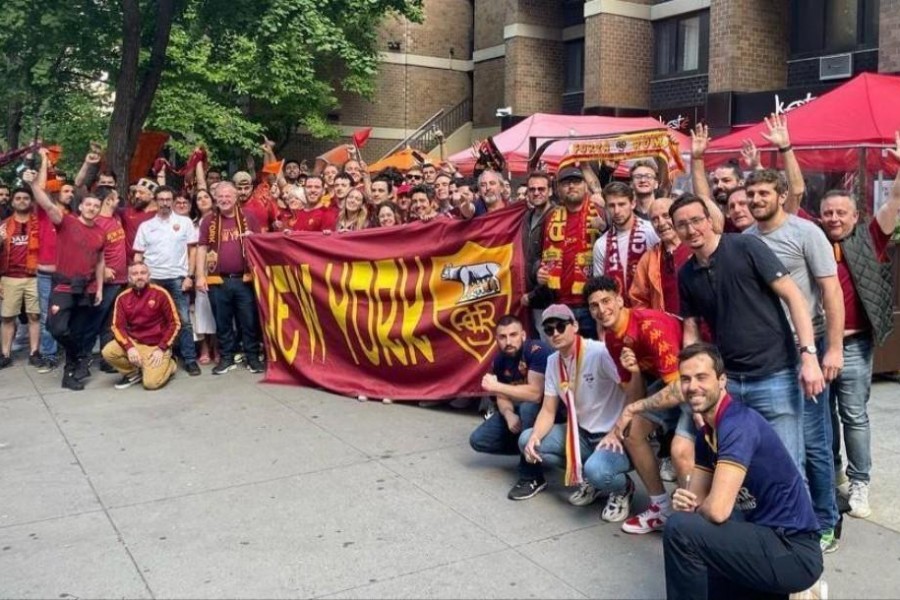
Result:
x=842 y=130
x=518 y=142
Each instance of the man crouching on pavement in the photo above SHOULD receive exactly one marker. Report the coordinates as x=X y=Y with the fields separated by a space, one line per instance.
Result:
x=741 y=466
x=582 y=376
x=517 y=380
x=145 y=325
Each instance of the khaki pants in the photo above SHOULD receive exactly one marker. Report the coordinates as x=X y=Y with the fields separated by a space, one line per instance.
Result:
x=153 y=377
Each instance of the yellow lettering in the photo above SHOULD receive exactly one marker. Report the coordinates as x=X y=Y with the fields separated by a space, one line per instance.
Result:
x=361 y=275
x=339 y=308
x=412 y=314
x=387 y=279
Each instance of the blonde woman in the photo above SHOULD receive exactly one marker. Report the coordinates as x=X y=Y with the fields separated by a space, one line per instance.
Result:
x=353 y=215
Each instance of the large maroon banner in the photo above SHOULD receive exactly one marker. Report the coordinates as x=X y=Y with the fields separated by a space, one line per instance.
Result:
x=406 y=312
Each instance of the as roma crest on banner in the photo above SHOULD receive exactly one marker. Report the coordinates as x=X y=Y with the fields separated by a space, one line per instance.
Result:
x=472 y=289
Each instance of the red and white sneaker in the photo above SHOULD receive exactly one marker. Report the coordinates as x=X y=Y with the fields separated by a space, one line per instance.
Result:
x=652 y=519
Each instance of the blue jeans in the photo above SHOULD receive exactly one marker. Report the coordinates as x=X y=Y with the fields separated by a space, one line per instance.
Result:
x=494 y=437
x=45 y=286
x=99 y=320
x=605 y=470
x=186 y=347
x=234 y=300
x=779 y=399
x=849 y=399
x=817 y=438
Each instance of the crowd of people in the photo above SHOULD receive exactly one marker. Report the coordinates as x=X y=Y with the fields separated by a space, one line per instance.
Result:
x=727 y=324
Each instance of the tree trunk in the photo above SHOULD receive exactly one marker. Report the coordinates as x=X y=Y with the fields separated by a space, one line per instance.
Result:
x=135 y=87
x=13 y=123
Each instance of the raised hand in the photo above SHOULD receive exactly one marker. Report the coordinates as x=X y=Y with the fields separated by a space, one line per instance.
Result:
x=778 y=131
x=750 y=154
x=699 y=140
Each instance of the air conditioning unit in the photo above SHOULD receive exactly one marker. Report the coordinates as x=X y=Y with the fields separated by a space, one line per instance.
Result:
x=836 y=66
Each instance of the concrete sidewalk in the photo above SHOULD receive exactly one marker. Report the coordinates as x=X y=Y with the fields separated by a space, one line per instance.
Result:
x=220 y=487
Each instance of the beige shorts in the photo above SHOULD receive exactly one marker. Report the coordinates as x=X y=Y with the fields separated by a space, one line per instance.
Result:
x=16 y=292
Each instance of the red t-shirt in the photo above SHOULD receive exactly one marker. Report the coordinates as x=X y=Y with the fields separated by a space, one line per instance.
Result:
x=114 y=252
x=854 y=313
x=47 y=235
x=131 y=220
x=264 y=211
x=655 y=338
x=671 y=263
x=230 y=253
x=82 y=246
x=18 y=251
x=317 y=219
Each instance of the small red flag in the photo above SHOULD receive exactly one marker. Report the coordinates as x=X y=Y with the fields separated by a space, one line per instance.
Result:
x=361 y=137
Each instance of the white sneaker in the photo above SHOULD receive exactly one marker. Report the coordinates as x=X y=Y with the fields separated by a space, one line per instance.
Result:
x=585 y=495
x=818 y=591
x=362 y=398
x=859 y=500
x=618 y=506
x=387 y=401
x=667 y=470
x=652 y=519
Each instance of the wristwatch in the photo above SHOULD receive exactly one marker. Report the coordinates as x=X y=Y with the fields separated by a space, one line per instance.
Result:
x=808 y=349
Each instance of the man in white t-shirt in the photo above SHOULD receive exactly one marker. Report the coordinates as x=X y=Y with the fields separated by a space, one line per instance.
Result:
x=618 y=251
x=583 y=376
x=166 y=244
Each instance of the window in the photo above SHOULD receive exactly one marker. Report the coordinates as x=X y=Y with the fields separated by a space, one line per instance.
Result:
x=574 y=69
x=830 y=26
x=682 y=44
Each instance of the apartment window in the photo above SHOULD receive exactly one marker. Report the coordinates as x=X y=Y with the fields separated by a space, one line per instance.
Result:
x=574 y=79
x=573 y=12
x=682 y=44
x=828 y=26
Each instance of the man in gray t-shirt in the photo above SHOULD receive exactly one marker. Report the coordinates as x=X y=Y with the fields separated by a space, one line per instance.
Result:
x=806 y=253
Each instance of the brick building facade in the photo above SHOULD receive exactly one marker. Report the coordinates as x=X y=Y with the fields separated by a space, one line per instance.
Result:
x=722 y=61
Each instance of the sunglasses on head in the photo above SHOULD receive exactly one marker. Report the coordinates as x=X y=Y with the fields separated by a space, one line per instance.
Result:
x=558 y=327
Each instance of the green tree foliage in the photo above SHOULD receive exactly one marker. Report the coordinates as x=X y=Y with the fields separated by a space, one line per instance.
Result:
x=234 y=69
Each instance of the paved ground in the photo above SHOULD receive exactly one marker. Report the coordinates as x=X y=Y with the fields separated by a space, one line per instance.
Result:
x=220 y=487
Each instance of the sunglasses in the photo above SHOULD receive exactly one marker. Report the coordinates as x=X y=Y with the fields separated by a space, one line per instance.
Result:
x=560 y=326
x=414 y=177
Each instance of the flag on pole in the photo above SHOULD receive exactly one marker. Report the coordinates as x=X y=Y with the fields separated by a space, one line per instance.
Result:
x=361 y=137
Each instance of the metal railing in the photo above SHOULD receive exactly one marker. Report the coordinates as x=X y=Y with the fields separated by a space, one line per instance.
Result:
x=443 y=122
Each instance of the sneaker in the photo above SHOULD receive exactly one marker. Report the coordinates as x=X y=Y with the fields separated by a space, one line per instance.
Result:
x=818 y=591
x=69 y=382
x=842 y=483
x=618 y=505
x=667 y=470
x=526 y=488
x=48 y=364
x=585 y=495
x=35 y=359
x=5 y=361
x=238 y=358
x=128 y=380
x=362 y=398
x=82 y=370
x=254 y=366
x=828 y=542
x=223 y=367
x=652 y=519
x=859 y=500
x=387 y=401
x=193 y=369
x=461 y=403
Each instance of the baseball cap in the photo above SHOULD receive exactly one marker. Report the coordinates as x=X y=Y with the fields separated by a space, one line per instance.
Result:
x=241 y=177
x=148 y=184
x=403 y=188
x=569 y=173
x=557 y=311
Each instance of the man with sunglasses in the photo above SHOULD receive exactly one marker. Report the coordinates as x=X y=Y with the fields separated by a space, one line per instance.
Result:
x=537 y=297
x=582 y=376
x=517 y=381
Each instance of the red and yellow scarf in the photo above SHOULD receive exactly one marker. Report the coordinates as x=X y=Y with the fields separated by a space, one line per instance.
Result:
x=215 y=231
x=555 y=242
x=31 y=260
x=568 y=383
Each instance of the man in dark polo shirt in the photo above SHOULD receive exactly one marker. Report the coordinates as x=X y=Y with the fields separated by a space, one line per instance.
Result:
x=735 y=283
x=740 y=465
x=517 y=380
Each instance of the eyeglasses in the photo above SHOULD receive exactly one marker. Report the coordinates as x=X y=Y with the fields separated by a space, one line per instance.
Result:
x=643 y=177
x=560 y=326
x=414 y=177
x=694 y=222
